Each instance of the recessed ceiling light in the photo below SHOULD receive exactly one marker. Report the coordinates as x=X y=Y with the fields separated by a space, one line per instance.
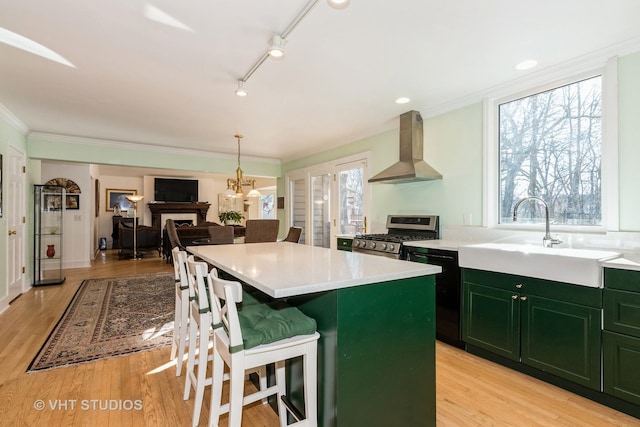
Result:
x=527 y=64
x=402 y=100
x=338 y=4
x=21 y=42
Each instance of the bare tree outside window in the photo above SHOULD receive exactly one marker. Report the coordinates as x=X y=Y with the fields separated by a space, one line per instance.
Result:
x=550 y=147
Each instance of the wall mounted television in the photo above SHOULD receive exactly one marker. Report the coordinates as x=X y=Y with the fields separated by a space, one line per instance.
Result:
x=175 y=190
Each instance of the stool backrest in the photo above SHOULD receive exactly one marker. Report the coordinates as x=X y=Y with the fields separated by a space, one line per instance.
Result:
x=231 y=293
x=197 y=273
x=180 y=266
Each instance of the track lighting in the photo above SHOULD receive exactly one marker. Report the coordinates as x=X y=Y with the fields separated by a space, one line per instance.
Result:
x=338 y=4
x=241 y=91
x=276 y=50
x=277 y=47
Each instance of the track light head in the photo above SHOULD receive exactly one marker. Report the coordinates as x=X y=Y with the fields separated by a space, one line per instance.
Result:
x=241 y=91
x=276 y=50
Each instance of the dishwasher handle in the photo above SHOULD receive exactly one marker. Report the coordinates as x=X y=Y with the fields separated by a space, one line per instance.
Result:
x=426 y=257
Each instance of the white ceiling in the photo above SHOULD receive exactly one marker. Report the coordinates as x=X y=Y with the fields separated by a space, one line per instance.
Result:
x=136 y=80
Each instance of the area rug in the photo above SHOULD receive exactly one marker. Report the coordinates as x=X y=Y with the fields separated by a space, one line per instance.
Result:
x=111 y=317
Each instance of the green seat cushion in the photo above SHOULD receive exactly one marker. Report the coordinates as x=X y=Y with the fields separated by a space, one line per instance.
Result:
x=262 y=324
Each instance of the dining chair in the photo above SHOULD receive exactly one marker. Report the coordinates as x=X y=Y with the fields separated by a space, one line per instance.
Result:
x=261 y=230
x=221 y=234
x=181 y=318
x=293 y=235
x=259 y=335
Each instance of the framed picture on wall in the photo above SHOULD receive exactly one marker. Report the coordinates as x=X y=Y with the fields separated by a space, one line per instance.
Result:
x=72 y=201
x=119 y=196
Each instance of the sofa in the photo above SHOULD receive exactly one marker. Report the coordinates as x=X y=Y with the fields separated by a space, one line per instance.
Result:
x=188 y=233
x=147 y=238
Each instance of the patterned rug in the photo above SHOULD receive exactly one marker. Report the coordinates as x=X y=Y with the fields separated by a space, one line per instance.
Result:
x=111 y=317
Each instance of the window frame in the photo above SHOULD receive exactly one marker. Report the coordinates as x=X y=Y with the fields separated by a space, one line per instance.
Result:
x=609 y=161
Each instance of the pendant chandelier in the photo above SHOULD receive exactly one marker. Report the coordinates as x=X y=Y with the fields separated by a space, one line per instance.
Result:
x=234 y=186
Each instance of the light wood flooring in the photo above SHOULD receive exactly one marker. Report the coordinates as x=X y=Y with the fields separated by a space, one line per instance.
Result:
x=470 y=391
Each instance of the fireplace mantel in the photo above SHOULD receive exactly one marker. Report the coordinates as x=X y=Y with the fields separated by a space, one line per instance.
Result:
x=159 y=208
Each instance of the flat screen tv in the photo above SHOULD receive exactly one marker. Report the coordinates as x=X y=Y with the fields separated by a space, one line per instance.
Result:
x=175 y=190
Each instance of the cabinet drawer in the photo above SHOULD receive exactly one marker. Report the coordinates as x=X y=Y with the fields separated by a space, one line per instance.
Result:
x=621 y=360
x=622 y=312
x=626 y=280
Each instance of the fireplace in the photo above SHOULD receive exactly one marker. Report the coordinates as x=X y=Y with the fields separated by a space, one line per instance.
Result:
x=158 y=209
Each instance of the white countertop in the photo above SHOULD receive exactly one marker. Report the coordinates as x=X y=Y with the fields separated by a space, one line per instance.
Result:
x=626 y=262
x=284 y=269
x=450 y=245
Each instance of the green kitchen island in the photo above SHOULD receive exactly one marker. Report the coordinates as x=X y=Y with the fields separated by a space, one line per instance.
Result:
x=376 y=319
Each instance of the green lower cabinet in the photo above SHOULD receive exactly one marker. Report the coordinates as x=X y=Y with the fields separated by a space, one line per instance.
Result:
x=621 y=361
x=562 y=339
x=553 y=327
x=492 y=320
x=344 y=243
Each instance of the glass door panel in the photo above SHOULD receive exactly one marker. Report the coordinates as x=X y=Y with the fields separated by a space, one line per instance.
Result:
x=298 y=193
x=351 y=198
x=321 y=210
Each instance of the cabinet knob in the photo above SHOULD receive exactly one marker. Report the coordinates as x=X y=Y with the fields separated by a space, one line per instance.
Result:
x=523 y=298
x=514 y=296
x=519 y=286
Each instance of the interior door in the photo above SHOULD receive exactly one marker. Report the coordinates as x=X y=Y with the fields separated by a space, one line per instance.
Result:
x=15 y=210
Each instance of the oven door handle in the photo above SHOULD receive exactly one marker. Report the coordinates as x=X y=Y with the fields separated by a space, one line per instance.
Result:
x=427 y=256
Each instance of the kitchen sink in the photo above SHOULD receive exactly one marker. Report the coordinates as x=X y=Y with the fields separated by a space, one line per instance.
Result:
x=568 y=265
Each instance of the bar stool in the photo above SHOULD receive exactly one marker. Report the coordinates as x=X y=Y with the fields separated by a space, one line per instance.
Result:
x=201 y=325
x=181 y=318
x=199 y=330
x=244 y=340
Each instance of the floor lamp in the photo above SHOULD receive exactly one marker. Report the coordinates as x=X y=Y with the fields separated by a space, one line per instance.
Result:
x=135 y=199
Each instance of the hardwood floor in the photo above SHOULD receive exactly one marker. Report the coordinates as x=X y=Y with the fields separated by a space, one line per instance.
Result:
x=142 y=389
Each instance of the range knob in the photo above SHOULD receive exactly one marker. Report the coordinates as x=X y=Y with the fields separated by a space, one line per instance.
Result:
x=356 y=243
x=373 y=245
x=391 y=247
x=383 y=246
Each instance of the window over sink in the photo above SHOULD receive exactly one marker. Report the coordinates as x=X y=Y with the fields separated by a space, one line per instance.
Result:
x=550 y=142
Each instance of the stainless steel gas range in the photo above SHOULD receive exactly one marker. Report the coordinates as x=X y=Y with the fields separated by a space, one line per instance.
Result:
x=400 y=229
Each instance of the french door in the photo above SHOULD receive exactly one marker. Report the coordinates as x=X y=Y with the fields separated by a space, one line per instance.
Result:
x=329 y=200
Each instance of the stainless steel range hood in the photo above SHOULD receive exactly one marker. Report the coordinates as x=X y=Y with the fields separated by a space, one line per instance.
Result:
x=411 y=167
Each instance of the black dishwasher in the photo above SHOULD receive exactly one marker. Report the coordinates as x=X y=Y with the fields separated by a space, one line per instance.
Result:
x=448 y=287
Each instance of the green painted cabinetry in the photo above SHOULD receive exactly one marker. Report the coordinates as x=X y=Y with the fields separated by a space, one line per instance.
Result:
x=344 y=243
x=621 y=335
x=550 y=326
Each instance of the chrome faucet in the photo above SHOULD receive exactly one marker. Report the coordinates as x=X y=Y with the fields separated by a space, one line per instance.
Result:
x=547 y=240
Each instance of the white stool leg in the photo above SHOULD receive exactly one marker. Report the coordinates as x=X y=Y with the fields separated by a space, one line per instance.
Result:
x=236 y=394
x=176 y=325
x=203 y=353
x=216 y=389
x=281 y=383
x=191 y=360
x=311 y=384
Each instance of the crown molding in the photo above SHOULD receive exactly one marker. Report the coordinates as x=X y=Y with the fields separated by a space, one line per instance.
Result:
x=13 y=120
x=85 y=141
x=581 y=64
